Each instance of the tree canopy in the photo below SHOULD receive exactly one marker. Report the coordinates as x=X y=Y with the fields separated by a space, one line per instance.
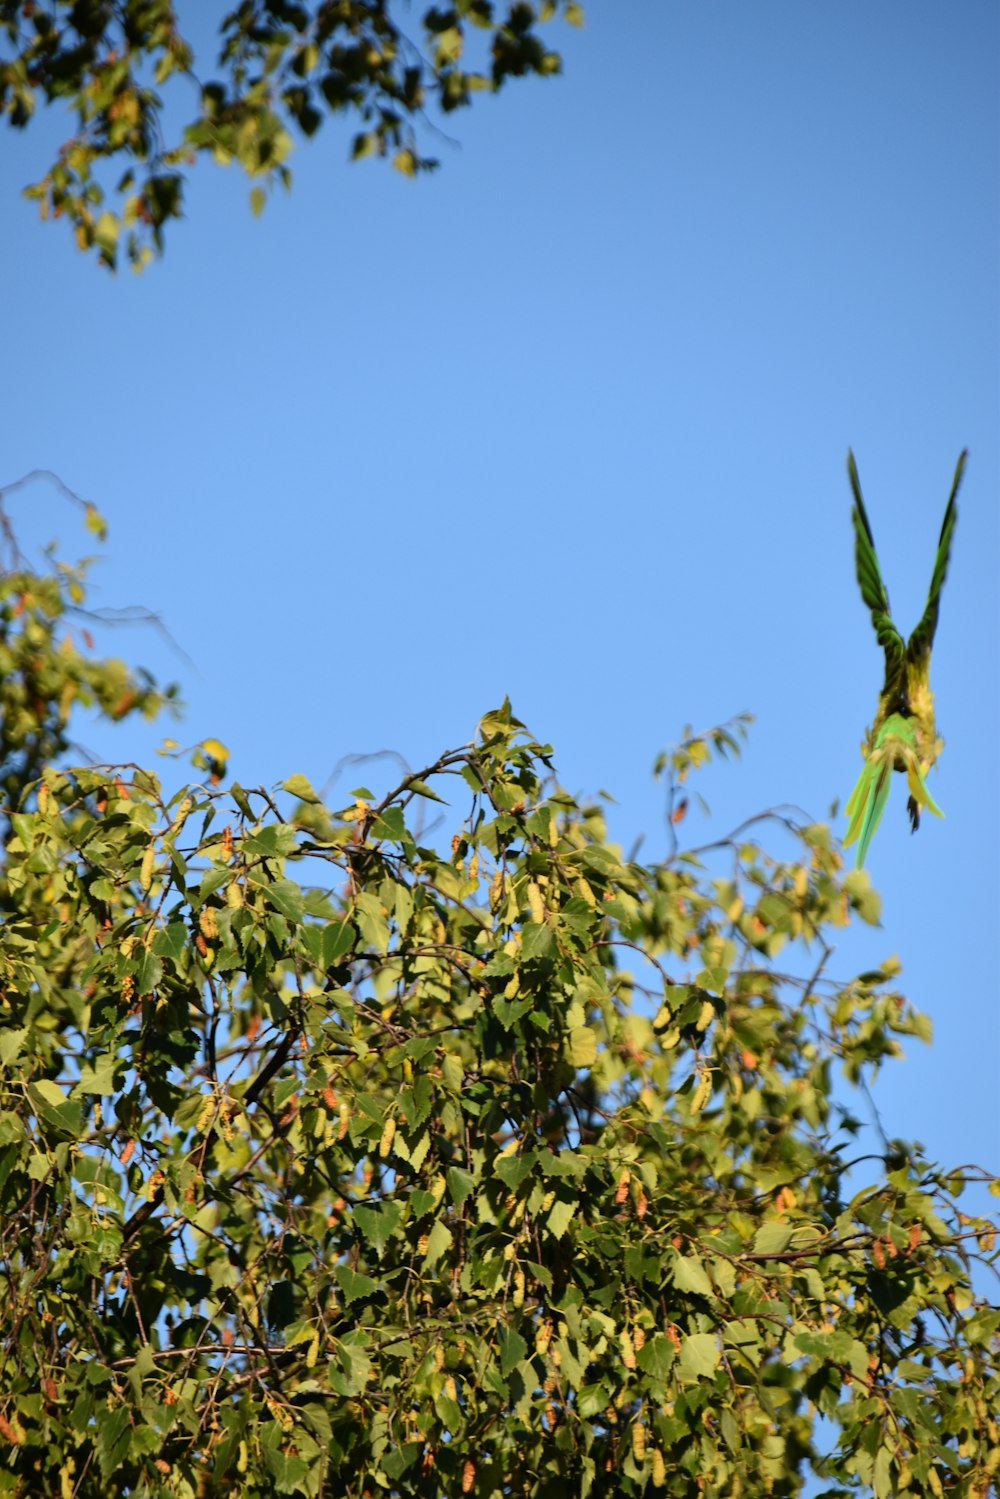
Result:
x=281 y=68
x=347 y=1151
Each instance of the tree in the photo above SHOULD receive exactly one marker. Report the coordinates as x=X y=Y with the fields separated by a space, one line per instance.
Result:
x=344 y=1155
x=281 y=66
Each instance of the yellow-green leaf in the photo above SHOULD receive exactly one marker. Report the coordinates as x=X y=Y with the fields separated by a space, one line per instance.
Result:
x=699 y=1356
x=772 y=1238
x=581 y=1046
x=301 y=787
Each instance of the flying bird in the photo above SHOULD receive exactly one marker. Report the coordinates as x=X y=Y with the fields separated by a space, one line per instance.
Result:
x=903 y=736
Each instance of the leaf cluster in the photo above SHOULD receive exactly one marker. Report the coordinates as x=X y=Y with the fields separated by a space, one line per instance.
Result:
x=47 y=672
x=281 y=68
x=341 y=1158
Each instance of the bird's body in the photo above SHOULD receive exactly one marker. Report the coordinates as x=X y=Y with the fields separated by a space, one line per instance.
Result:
x=903 y=735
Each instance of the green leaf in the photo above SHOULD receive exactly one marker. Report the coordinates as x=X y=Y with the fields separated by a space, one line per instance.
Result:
x=452 y=1071
x=581 y=1046
x=422 y=789
x=882 y=1481
x=113 y=1433
x=97 y=1077
x=354 y=1285
x=54 y=1108
x=541 y=1273
x=559 y=1217
x=922 y=1027
x=773 y=1238
x=421 y=1202
x=450 y=1414
x=355 y=1366
x=299 y=786
x=396 y=1460
x=593 y=1399
x=378 y=1225
x=866 y=901
x=699 y=1356
x=690 y=1275
x=416 y=1100
x=389 y=824
x=285 y=897
x=170 y=941
x=289 y=1474
x=413 y=1148
x=509 y=1011
x=656 y=1356
x=329 y=943
x=460 y=1184
x=272 y=841
x=212 y=880
x=372 y=921
x=439 y=1241
x=147 y=970
x=512 y=1169
x=242 y=801
x=537 y=940
x=12 y=1042
x=513 y=1349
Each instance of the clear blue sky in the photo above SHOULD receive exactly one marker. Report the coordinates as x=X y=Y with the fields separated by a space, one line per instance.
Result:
x=568 y=421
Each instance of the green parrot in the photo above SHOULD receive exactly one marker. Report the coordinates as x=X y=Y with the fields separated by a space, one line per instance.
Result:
x=903 y=736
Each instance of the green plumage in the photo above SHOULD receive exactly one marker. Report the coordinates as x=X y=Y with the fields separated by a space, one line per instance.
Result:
x=903 y=736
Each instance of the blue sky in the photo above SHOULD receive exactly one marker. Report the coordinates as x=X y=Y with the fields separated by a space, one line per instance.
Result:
x=568 y=421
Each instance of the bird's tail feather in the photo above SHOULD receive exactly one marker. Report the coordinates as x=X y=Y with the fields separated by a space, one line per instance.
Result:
x=866 y=805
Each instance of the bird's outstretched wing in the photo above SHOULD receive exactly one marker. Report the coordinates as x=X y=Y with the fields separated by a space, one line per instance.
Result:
x=918 y=647
x=873 y=590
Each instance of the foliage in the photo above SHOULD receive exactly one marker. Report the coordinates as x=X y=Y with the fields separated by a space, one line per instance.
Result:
x=281 y=66
x=44 y=675
x=336 y=1158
